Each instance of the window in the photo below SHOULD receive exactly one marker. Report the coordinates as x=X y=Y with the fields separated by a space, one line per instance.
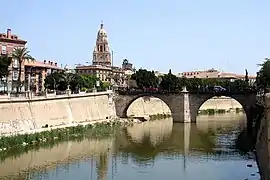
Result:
x=15 y=75
x=15 y=63
x=101 y=48
x=4 y=49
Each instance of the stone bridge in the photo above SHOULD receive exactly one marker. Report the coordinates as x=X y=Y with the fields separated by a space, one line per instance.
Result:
x=184 y=106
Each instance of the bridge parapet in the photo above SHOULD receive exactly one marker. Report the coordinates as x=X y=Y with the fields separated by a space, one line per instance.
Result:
x=161 y=92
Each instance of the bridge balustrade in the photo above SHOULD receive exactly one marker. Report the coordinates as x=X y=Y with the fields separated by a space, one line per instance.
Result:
x=224 y=93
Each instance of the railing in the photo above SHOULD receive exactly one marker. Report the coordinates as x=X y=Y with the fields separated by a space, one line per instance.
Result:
x=44 y=95
x=220 y=93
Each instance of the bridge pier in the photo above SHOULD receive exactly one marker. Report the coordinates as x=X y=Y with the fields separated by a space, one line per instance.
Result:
x=186 y=110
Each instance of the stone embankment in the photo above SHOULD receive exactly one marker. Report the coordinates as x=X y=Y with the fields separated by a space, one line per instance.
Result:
x=262 y=146
x=24 y=115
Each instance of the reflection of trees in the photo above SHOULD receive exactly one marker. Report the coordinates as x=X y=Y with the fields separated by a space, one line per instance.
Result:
x=143 y=150
x=102 y=166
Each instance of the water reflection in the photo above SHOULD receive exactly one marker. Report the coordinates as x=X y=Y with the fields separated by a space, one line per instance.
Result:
x=155 y=149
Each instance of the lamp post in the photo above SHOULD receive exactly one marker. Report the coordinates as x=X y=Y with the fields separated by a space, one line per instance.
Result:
x=97 y=84
x=4 y=80
x=29 y=79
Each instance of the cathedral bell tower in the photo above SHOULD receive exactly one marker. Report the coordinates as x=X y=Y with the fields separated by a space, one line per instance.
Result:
x=102 y=54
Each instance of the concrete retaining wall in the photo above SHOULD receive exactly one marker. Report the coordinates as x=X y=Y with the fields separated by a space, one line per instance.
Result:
x=24 y=115
x=151 y=105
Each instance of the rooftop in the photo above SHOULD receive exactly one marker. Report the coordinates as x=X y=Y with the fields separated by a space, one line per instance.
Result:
x=43 y=64
x=98 y=67
x=213 y=73
x=8 y=37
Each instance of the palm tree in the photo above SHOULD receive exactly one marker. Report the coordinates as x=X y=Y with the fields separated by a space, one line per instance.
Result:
x=21 y=55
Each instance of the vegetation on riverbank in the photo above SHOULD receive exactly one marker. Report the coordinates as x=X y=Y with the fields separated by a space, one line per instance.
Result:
x=21 y=143
x=159 y=116
x=217 y=111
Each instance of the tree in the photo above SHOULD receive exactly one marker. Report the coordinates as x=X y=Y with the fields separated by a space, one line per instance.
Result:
x=5 y=62
x=21 y=55
x=246 y=77
x=74 y=82
x=62 y=81
x=263 y=76
x=88 y=81
x=170 y=82
x=145 y=79
x=54 y=81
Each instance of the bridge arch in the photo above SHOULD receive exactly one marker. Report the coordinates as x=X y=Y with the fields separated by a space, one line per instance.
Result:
x=246 y=101
x=133 y=99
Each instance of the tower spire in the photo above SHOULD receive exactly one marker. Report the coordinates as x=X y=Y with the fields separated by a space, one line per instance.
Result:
x=101 y=25
x=102 y=54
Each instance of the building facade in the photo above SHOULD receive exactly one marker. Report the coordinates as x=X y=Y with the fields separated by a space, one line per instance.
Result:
x=215 y=74
x=32 y=74
x=36 y=72
x=102 y=62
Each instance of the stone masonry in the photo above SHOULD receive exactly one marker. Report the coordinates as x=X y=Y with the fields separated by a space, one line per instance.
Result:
x=184 y=106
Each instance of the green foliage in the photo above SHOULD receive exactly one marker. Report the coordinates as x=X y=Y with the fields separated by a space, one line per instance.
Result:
x=88 y=81
x=105 y=85
x=159 y=116
x=55 y=81
x=61 y=80
x=263 y=76
x=145 y=79
x=170 y=82
x=5 y=62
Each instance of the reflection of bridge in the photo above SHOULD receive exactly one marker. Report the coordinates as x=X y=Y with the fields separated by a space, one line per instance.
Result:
x=184 y=106
x=154 y=138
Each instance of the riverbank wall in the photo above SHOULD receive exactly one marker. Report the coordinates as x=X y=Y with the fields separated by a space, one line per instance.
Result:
x=23 y=115
x=262 y=145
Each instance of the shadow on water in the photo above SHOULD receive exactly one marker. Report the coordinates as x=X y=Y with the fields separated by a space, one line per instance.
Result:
x=244 y=143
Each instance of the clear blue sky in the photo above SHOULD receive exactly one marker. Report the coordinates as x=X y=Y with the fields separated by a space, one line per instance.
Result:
x=229 y=35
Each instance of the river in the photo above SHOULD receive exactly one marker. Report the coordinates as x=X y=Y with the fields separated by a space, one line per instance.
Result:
x=151 y=150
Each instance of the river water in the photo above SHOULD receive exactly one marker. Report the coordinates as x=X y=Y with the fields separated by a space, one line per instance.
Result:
x=151 y=150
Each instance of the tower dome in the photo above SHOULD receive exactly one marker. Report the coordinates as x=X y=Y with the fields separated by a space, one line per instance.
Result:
x=102 y=30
